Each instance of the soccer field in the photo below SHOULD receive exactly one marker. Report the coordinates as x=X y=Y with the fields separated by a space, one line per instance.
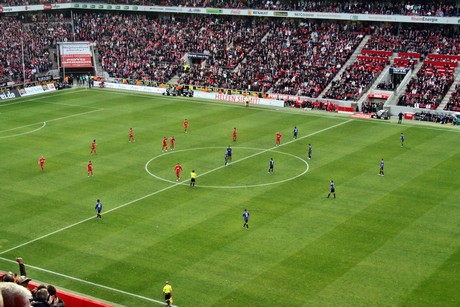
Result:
x=385 y=240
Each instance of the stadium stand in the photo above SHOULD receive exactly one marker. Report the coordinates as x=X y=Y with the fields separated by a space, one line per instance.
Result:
x=429 y=87
x=294 y=57
x=392 y=7
x=454 y=101
x=356 y=78
x=133 y=46
x=34 y=37
x=278 y=56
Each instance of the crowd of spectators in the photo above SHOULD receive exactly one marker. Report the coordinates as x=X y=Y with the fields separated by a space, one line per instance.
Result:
x=14 y=291
x=29 y=41
x=284 y=56
x=454 y=101
x=386 y=85
x=307 y=57
x=132 y=46
x=150 y=48
x=293 y=58
x=388 y=7
x=422 y=8
x=227 y=43
x=355 y=79
x=423 y=41
x=428 y=88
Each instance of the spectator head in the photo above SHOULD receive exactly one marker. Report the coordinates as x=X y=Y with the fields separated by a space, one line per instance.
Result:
x=8 y=277
x=41 y=295
x=51 y=289
x=14 y=295
x=23 y=281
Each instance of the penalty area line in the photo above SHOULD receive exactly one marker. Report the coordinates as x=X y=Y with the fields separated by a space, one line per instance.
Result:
x=43 y=124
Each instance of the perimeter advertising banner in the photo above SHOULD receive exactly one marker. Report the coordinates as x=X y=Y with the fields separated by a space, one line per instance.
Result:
x=9 y=94
x=76 y=55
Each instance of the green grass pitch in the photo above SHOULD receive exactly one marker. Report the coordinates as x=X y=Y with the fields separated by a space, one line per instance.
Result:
x=392 y=240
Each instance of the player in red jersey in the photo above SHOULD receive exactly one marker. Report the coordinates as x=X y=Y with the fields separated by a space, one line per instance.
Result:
x=90 y=168
x=234 y=134
x=93 y=147
x=178 y=169
x=172 y=140
x=131 y=137
x=41 y=161
x=165 y=144
x=278 y=138
x=185 y=125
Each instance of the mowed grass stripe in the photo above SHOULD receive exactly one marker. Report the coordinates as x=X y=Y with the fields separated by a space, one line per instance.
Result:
x=439 y=288
x=410 y=258
x=369 y=195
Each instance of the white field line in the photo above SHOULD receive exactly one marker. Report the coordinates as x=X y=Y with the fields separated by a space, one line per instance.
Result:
x=284 y=144
x=141 y=198
x=20 y=127
x=235 y=186
x=43 y=124
x=89 y=283
x=27 y=99
x=68 y=105
x=261 y=152
x=73 y=115
x=24 y=133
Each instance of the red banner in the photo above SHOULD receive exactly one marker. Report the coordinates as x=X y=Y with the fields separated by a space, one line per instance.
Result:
x=378 y=95
x=76 y=61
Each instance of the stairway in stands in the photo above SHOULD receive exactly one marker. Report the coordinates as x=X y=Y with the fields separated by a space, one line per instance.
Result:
x=401 y=90
x=97 y=65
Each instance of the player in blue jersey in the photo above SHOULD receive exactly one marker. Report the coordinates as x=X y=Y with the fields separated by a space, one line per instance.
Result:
x=310 y=150
x=228 y=155
x=246 y=219
x=402 y=139
x=331 y=189
x=271 y=165
x=296 y=131
x=382 y=165
x=98 y=209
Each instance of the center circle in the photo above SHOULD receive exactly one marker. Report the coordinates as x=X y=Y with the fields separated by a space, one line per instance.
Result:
x=260 y=151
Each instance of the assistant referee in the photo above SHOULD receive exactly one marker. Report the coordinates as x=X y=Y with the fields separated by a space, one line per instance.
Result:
x=192 y=178
x=167 y=292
